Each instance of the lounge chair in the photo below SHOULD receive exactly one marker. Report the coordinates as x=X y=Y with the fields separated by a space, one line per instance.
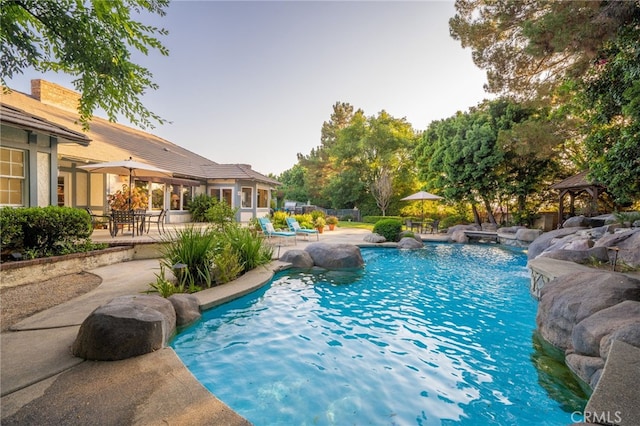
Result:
x=294 y=226
x=270 y=232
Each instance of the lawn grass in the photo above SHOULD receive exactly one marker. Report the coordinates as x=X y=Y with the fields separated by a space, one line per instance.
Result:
x=357 y=225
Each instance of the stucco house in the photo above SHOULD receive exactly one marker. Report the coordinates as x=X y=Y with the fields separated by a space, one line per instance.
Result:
x=42 y=147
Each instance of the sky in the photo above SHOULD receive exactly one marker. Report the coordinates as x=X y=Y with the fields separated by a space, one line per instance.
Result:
x=253 y=82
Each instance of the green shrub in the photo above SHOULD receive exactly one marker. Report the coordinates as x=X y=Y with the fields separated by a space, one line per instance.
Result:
x=45 y=231
x=11 y=228
x=315 y=214
x=195 y=249
x=305 y=220
x=388 y=228
x=198 y=207
x=251 y=249
x=376 y=219
x=220 y=214
x=279 y=220
x=226 y=265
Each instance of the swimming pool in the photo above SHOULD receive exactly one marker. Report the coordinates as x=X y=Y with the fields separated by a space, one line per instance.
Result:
x=441 y=335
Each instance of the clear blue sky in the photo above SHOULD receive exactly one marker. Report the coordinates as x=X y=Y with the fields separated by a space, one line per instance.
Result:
x=252 y=82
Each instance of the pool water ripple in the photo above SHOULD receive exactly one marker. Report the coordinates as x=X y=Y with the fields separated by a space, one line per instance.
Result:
x=400 y=343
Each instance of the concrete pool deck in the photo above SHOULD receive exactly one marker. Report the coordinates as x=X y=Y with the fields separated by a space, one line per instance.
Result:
x=42 y=383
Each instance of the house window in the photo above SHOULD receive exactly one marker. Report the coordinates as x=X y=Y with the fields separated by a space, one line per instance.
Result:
x=263 y=198
x=247 y=197
x=223 y=194
x=174 y=197
x=12 y=177
x=187 y=195
x=157 y=196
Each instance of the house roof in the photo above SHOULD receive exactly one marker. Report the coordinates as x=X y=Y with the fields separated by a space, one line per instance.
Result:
x=23 y=120
x=238 y=171
x=575 y=182
x=113 y=141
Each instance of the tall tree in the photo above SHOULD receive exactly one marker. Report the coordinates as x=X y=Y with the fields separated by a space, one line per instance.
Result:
x=91 y=40
x=495 y=153
x=382 y=190
x=612 y=100
x=530 y=47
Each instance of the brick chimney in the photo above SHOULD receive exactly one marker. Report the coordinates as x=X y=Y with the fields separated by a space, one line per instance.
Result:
x=55 y=95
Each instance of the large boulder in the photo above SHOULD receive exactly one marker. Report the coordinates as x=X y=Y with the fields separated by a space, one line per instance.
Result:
x=588 y=334
x=585 y=367
x=374 y=238
x=335 y=256
x=125 y=327
x=458 y=236
x=600 y=254
x=298 y=259
x=527 y=235
x=545 y=240
x=569 y=299
x=628 y=244
x=187 y=308
x=574 y=222
x=410 y=243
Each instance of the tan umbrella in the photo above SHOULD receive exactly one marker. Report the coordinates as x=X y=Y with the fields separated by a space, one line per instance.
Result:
x=130 y=167
x=421 y=196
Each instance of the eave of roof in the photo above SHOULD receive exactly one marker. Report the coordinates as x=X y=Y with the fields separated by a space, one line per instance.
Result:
x=575 y=182
x=23 y=120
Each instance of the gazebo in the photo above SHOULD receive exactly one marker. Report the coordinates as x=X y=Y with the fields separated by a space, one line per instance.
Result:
x=574 y=185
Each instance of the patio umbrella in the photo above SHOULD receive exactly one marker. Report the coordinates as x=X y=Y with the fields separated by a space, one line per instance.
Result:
x=130 y=167
x=421 y=195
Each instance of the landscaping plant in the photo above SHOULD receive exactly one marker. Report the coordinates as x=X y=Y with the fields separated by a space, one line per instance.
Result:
x=388 y=228
x=193 y=248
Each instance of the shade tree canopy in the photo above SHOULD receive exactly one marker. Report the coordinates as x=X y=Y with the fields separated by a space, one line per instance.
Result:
x=91 y=40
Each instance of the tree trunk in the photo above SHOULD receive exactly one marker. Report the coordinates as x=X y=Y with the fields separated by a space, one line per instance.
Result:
x=487 y=205
x=476 y=215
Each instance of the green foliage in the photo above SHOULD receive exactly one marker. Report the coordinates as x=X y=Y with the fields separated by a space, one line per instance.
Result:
x=90 y=40
x=452 y=220
x=388 y=228
x=251 y=249
x=220 y=214
x=48 y=231
x=198 y=207
x=360 y=159
x=305 y=220
x=194 y=248
x=316 y=214
x=627 y=218
x=163 y=286
x=320 y=222
x=611 y=102
x=227 y=264
x=11 y=228
x=376 y=219
x=279 y=220
x=531 y=47
x=332 y=220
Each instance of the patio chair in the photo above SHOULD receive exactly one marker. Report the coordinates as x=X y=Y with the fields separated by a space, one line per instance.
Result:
x=120 y=219
x=98 y=219
x=433 y=228
x=411 y=225
x=158 y=220
x=294 y=226
x=270 y=231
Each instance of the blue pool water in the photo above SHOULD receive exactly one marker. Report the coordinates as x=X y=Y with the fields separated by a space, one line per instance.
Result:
x=436 y=336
